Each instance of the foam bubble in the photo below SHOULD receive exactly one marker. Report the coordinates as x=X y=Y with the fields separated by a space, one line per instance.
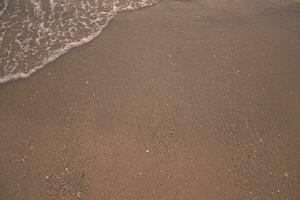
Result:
x=36 y=32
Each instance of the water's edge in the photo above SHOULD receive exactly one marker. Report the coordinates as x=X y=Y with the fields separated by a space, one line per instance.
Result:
x=22 y=75
x=56 y=54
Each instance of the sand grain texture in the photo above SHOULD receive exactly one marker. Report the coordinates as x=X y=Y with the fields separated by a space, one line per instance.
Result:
x=183 y=100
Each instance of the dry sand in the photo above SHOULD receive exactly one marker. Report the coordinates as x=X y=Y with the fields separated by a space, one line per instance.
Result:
x=185 y=100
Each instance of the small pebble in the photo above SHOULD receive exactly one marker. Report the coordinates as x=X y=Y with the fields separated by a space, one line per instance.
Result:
x=78 y=194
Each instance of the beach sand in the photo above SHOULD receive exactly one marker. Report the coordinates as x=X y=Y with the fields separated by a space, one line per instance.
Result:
x=183 y=100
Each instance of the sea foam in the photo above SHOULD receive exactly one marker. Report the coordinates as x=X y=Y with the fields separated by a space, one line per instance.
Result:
x=36 y=32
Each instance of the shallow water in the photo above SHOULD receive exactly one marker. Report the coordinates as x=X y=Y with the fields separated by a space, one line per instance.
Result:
x=36 y=32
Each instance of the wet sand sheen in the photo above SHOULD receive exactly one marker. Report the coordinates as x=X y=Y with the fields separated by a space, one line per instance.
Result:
x=183 y=100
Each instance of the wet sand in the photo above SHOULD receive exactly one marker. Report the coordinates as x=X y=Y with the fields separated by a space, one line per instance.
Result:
x=184 y=100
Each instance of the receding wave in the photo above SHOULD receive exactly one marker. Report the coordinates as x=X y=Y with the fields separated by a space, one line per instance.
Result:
x=36 y=32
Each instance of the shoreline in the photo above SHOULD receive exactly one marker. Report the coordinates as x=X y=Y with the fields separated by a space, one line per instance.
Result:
x=69 y=47
x=186 y=100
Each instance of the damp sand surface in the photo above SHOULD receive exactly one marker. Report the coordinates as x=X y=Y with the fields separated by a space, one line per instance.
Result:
x=182 y=100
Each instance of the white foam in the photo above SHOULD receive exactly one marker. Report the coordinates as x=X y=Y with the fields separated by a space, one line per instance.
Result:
x=12 y=77
x=12 y=68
